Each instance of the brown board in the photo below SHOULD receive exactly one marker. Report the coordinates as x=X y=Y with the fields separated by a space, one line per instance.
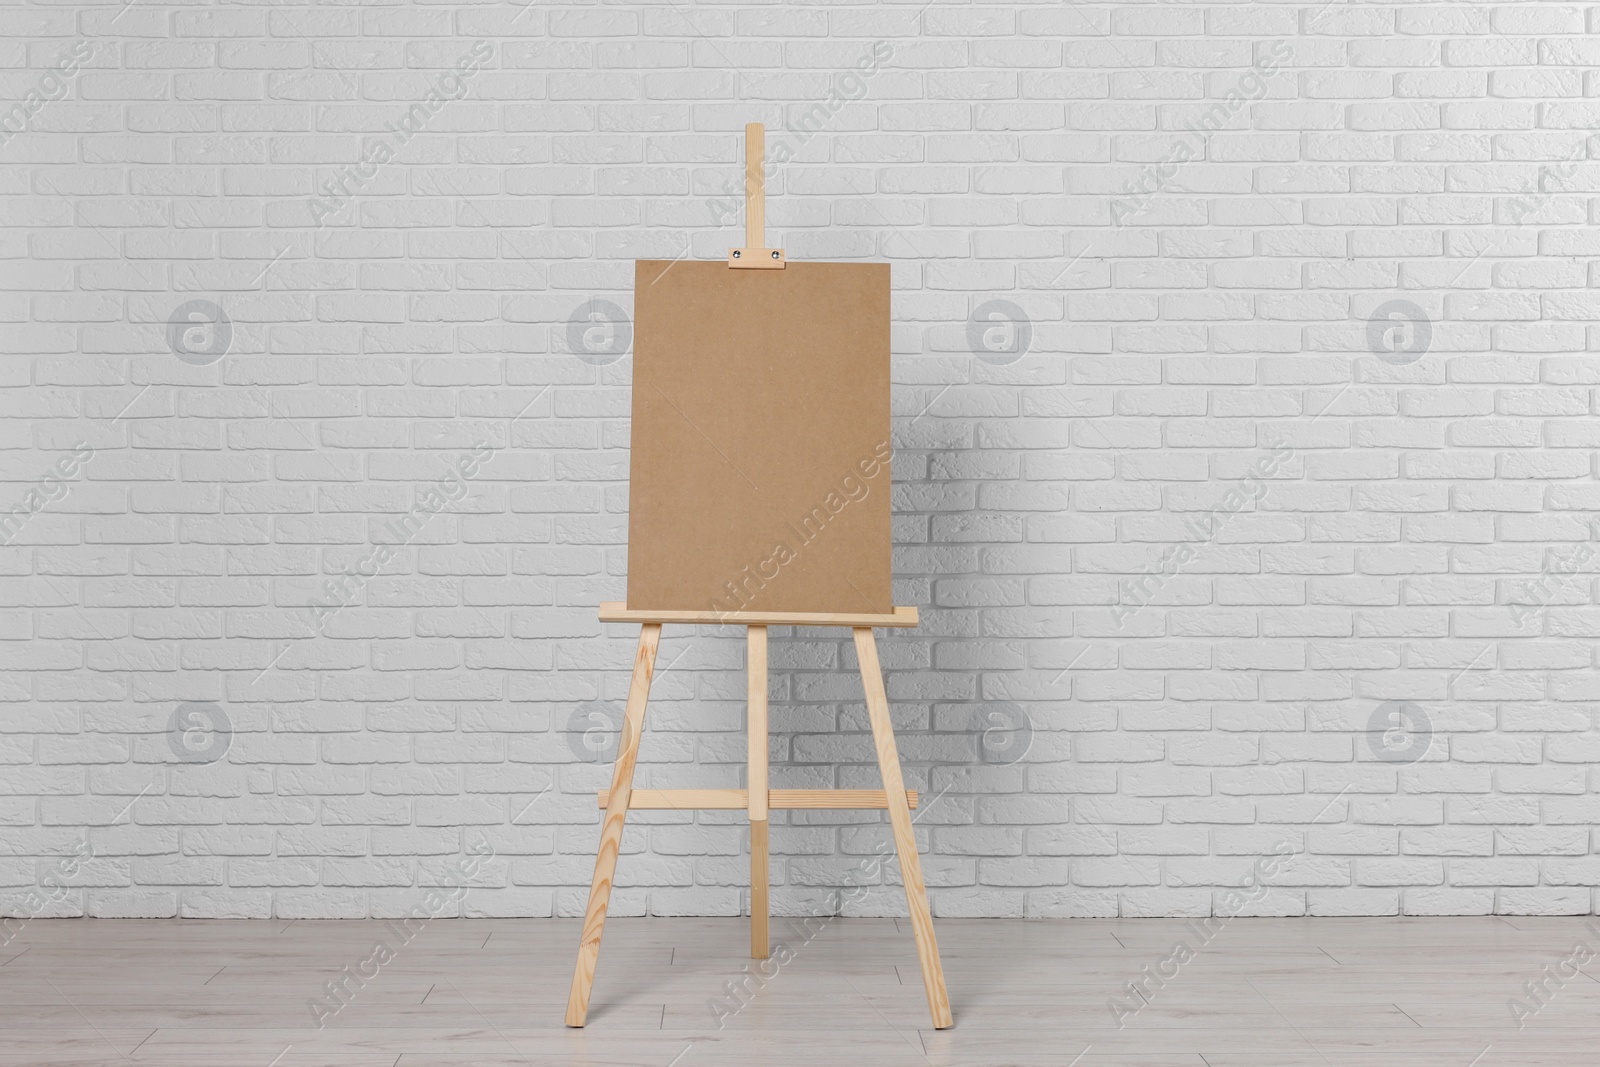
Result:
x=759 y=470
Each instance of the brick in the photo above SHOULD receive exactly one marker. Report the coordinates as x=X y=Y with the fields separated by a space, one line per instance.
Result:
x=1187 y=710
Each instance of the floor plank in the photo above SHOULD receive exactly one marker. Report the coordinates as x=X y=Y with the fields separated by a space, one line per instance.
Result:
x=1097 y=993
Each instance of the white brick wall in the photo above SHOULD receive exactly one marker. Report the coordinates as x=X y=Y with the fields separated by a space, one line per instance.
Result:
x=1301 y=448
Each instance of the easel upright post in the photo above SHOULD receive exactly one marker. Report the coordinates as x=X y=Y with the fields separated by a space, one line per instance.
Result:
x=755 y=185
x=755 y=255
x=756 y=785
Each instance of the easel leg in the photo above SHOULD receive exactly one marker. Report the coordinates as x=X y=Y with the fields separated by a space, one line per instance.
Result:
x=905 y=839
x=605 y=860
x=756 y=780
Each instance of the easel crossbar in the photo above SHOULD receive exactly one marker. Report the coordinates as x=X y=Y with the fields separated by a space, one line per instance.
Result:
x=739 y=799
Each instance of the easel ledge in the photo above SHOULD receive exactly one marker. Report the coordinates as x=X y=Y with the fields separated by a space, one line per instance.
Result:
x=617 y=611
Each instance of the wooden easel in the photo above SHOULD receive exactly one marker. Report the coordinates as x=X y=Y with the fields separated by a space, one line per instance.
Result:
x=757 y=799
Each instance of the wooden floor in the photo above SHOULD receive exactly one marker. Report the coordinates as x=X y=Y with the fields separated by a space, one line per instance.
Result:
x=1262 y=993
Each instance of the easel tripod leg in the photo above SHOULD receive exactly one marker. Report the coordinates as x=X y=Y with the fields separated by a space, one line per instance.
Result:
x=905 y=839
x=756 y=781
x=605 y=861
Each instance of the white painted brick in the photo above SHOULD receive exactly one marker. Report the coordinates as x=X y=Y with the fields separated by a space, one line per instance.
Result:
x=1187 y=711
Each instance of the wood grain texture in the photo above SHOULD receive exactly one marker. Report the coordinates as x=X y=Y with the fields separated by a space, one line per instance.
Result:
x=617 y=611
x=905 y=838
x=756 y=780
x=605 y=860
x=756 y=799
x=756 y=726
x=739 y=799
x=1265 y=992
x=755 y=185
x=755 y=255
x=760 y=939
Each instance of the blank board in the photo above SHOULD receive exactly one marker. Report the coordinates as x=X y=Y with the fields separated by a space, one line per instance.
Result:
x=759 y=476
